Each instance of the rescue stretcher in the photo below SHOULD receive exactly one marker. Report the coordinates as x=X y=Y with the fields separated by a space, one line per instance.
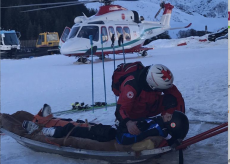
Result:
x=81 y=148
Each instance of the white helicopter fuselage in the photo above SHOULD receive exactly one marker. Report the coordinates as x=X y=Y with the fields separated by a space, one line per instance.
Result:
x=110 y=20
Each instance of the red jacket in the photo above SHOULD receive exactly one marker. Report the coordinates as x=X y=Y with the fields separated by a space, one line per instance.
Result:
x=134 y=103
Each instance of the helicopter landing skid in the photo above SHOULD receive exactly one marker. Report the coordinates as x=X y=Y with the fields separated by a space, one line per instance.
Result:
x=82 y=60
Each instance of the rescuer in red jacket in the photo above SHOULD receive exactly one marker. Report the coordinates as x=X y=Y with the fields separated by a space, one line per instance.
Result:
x=145 y=93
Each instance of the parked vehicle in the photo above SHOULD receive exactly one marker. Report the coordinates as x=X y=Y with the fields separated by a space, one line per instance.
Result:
x=221 y=34
x=49 y=41
x=10 y=46
x=9 y=42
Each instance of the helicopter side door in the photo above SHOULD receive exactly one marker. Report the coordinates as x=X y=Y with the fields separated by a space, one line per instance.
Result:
x=104 y=36
x=111 y=32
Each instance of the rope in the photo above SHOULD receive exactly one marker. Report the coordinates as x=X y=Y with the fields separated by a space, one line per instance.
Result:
x=40 y=127
x=79 y=125
x=67 y=136
x=51 y=142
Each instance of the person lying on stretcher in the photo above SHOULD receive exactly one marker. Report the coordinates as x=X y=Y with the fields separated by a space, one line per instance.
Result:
x=45 y=124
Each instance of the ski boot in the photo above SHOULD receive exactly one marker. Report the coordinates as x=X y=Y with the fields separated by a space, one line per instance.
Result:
x=81 y=106
x=46 y=110
x=100 y=104
x=75 y=105
x=86 y=106
x=30 y=127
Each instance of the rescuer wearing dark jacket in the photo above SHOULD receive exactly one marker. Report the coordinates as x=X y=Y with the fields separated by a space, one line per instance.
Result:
x=146 y=93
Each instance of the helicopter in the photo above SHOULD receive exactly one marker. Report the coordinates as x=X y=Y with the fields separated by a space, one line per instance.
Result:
x=117 y=21
x=109 y=27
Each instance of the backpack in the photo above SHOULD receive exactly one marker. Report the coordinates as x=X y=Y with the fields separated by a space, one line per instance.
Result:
x=124 y=70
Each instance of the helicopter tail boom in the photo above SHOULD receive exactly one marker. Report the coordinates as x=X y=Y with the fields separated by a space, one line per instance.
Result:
x=165 y=19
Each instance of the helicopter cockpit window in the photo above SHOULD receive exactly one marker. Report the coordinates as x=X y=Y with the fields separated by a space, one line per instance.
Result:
x=119 y=31
x=126 y=32
x=104 y=34
x=65 y=34
x=111 y=32
x=86 y=31
x=73 y=32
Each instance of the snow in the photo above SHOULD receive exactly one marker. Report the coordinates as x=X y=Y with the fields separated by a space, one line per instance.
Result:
x=179 y=18
x=200 y=70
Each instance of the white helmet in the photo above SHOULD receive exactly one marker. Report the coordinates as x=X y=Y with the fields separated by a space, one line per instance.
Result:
x=159 y=77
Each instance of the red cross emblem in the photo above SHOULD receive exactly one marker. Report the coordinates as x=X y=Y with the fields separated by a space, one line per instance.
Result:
x=130 y=94
x=166 y=74
x=123 y=16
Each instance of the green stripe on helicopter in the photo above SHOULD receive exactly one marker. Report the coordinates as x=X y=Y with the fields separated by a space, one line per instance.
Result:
x=128 y=43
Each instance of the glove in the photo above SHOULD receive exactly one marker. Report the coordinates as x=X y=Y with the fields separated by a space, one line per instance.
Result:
x=166 y=134
x=132 y=128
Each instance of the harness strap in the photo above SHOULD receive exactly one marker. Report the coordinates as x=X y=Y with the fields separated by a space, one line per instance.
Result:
x=40 y=127
x=70 y=133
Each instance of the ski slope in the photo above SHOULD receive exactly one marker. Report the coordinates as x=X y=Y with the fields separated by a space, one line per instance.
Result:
x=200 y=72
x=183 y=13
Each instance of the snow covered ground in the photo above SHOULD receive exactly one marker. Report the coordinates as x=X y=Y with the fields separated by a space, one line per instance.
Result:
x=200 y=70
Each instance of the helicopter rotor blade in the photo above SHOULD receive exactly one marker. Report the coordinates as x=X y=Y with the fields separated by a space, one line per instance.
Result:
x=125 y=0
x=162 y=6
x=41 y=4
x=158 y=13
x=45 y=8
x=51 y=4
x=60 y=4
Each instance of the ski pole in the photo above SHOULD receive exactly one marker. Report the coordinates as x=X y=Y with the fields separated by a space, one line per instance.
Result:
x=103 y=71
x=122 y=39
x=91 y=43
x=206 y=133
x=184 y=145
x=113 y=39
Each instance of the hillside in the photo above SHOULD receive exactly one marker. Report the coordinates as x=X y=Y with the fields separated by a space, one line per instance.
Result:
x=212 y=13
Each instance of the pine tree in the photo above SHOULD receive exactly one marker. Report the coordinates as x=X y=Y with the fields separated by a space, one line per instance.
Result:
x=53 y=20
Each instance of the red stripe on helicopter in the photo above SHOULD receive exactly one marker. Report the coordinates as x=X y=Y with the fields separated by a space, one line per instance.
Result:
x=108 y=9
x=168 y=8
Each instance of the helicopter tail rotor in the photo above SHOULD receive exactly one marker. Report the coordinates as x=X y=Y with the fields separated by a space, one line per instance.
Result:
x=166 y=17
x=162 y=5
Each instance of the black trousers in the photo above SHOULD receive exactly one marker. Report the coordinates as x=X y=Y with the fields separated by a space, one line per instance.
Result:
x=101 y=133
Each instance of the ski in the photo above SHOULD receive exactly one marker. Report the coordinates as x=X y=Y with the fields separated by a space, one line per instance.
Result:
x=83 y=110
